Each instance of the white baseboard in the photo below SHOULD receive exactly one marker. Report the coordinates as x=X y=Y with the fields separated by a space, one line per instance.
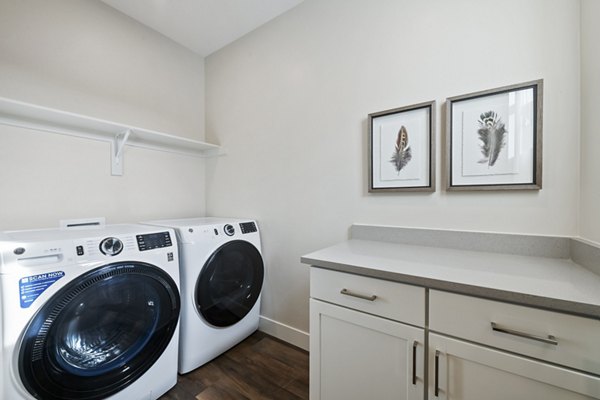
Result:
x=284 y=332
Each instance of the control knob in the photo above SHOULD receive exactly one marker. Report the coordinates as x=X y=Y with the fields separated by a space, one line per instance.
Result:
x=229 y=230
x=111 y=246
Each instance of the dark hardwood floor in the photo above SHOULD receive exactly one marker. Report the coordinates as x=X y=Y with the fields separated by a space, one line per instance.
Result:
x=261 y=367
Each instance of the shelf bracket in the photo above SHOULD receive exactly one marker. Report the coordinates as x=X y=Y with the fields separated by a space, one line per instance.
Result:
x=116 y=152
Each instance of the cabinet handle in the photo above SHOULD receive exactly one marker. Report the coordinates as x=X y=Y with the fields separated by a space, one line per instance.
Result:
x=360 y=296
x=414 y=376
x=549 y=339
x=436 y=388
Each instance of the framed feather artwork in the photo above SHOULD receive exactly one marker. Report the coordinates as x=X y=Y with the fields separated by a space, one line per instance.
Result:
x=402 y=149
x=494 y=139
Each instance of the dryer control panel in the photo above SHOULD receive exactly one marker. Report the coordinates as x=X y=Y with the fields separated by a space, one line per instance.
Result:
x=248 y=227
x=154 y=241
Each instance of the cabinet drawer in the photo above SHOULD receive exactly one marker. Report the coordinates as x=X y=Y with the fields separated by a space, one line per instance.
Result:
x=391 y=300
x=555 y=337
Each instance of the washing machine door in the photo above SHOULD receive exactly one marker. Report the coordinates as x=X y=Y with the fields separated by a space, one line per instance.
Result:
x=99 y=333
x=229 y=284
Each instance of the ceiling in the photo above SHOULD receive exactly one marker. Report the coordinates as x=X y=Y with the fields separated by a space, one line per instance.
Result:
x=203 y=26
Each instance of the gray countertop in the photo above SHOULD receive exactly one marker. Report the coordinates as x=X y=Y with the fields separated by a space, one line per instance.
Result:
x=551 y=283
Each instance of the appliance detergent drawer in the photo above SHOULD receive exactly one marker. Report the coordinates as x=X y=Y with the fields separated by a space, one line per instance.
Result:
x=555 y=337
x=388 y=299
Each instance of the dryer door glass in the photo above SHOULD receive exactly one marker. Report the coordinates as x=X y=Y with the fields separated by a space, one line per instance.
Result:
x=229 y=283
x=100 y=332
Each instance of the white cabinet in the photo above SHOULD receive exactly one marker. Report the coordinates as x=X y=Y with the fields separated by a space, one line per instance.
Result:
x=368 y=337
x=459 y=370
x=356 y=355
x=538 y=341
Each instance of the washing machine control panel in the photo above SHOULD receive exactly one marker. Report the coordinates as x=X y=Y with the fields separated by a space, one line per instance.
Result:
x=154 y=241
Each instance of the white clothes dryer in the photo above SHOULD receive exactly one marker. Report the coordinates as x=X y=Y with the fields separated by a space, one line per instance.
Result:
x=89 y=314
x=222 y=275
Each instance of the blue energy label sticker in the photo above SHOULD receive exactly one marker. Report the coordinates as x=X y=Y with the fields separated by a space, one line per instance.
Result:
x=31 y=287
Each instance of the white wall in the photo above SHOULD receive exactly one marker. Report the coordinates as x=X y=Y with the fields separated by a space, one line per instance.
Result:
x=590 y=120
x=289 y=104
x=85 y=57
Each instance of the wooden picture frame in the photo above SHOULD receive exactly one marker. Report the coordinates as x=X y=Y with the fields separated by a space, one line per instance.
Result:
x=402 y=149
x=494 y=139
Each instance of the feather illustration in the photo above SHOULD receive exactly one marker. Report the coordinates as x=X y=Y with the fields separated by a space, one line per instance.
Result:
x=491 y=133
x=402 y=154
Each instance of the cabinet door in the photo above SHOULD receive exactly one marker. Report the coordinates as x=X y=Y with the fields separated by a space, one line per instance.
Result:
x=465 y=371
x=357 y=356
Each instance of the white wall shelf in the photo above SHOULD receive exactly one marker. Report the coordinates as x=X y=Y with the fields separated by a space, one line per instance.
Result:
x=39 y=118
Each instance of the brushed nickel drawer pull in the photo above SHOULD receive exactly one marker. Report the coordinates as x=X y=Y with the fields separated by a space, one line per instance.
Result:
x=436 y=388
x=549 y=339
x=414 y=362
x=360 y=296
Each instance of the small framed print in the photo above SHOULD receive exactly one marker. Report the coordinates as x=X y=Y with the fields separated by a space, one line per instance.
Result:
x=494 y=139
x=402 y=149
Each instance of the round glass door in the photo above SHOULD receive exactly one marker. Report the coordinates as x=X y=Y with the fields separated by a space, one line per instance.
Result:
x=229 y=283
x=99 y=333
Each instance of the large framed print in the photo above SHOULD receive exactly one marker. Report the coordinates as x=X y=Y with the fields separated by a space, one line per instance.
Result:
x=494 y=139
x=402 y=149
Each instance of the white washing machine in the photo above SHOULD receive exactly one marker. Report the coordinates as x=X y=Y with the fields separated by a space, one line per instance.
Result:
x=222 y=275
x=89 y=313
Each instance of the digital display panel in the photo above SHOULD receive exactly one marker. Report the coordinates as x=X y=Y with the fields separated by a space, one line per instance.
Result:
x=154 y=241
